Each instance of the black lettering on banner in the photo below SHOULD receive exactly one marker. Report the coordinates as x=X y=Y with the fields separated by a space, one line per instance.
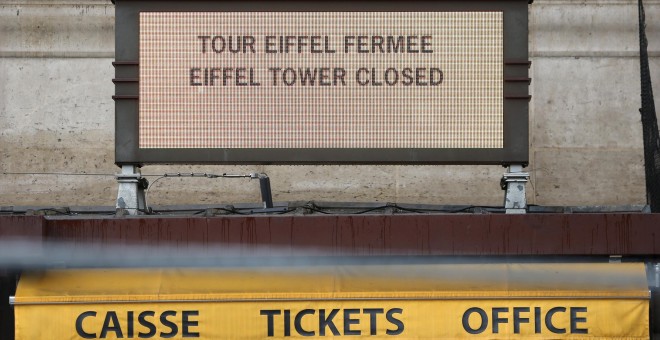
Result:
x=186 y=323
x=129 y=328
x=270 y=313
x=390 y=317
x=79 y=325
x=548 y=320
x=111 y=324
x=497 y=320
x=373 y=313
x=575 y=319
x=111 y=317
x=466 y=320
x=298 y=322
x=517 y=319
x=287 y=322
x=327 y=322
x=537 y=320
x=142 y=320
x=348 y=321
x=174 y=329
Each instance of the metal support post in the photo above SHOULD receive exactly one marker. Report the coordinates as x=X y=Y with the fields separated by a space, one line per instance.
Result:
x=8 y=282
x=266 y=193
x=130 y=195
x=513 y=182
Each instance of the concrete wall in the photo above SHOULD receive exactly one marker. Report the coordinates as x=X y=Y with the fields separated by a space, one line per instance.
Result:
x=57 y=118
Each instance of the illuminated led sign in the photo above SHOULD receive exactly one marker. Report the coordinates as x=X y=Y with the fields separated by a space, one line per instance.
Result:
x=321 y=80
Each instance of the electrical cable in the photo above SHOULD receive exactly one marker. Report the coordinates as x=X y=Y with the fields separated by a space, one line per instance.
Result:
x=192 y=175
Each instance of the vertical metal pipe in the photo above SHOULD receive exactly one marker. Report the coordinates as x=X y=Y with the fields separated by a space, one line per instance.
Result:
x=266 y=193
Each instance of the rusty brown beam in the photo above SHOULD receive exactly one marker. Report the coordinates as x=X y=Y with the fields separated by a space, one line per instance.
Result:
x=28 y=227
x=464 y=235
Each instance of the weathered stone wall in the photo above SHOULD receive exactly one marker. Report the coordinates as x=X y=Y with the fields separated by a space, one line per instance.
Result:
x=57 y=118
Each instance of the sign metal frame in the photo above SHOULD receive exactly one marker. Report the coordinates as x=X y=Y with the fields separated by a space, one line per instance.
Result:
x=515 y=89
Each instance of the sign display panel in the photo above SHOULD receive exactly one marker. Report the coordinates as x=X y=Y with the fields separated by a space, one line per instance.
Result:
x=321 y=80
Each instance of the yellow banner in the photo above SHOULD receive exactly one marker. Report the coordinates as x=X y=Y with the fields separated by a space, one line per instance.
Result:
x=378 y=319
x=481 y=301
